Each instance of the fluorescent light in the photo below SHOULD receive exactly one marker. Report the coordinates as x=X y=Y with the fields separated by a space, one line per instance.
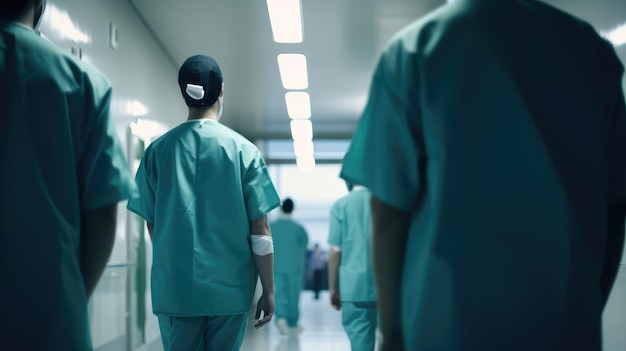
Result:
x=62 y=24
x=298 y=104
x=305 y=164
x=146 y=130
x=136 y=108
x=616 y=36
x=293 y=71
x=303 y=148
x=286 y=20
x=302 y=129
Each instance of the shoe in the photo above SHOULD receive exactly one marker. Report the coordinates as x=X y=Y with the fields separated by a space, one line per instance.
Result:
x=281 y=323
x=295 y=330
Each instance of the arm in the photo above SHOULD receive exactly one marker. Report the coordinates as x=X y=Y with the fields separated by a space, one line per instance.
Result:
x=97 y=239
x=614 y=247
x=390 y=232
x=334 y=259
x=150 y=229
x=265 y=266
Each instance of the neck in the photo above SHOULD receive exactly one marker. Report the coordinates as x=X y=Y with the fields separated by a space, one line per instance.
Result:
x=203 y=113
x=28 y=18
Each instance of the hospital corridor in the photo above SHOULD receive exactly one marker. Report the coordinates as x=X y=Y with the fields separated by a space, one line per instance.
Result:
x=466 y=157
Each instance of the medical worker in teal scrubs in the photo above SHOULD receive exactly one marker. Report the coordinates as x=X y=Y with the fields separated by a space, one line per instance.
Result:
x=494 y=145
x=62 y=174
x=205 y=193
x=290 y=245
x=350 y=276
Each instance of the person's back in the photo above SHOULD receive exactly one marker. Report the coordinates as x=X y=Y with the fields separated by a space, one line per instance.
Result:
x=511 y=113
x=198 y=170
x=205 y=193
x=56 y=144
x=350 y=276
x=290 y=246
x=350 y=230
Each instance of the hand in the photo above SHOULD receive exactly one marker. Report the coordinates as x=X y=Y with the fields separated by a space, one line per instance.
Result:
x=265 y=304
x=392 y=341
x=391 y=345
x=335 y=299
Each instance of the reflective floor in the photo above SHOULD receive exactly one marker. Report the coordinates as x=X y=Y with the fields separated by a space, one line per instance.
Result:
x=321 y=330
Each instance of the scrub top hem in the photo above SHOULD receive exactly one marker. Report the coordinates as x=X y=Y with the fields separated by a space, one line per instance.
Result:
x=270 y=208
x=140 y=214
x=165 y=314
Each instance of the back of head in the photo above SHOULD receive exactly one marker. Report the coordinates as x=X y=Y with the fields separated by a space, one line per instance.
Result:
x=200 y=80
x=16 y=10
x=287 y=206
x=11 y=10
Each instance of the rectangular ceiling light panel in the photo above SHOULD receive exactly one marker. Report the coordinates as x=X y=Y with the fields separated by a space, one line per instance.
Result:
x=616 y=36
x=303 y=148
x=301 y=129
x=293 y=71
x=305 y=164
x=286 y=20
x=298 y=104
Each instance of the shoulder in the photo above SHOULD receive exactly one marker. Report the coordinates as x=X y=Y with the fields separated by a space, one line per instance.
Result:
x=246 y=147
x=277 y=223
x=74 y=68
x=340 y=203
x=415 y=36
x=44 y=58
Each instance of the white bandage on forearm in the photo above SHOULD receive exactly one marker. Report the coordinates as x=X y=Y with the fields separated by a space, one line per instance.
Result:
x=262 y=244
x=336 y=248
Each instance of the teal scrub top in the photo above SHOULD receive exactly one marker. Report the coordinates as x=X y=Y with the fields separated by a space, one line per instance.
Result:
x=200 y=185
x=500 y=127
x=350 y=228
x=290 y=246
x=59 y=155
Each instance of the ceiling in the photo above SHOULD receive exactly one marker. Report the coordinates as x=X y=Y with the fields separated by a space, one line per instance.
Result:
x=342 y=40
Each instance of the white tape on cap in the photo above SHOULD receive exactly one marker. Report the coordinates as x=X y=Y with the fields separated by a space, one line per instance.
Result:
x=195 y=92
x=262 y=244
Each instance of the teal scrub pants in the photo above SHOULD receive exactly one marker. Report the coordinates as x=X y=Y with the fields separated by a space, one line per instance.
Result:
x=203 y=333
x=287 y=296
x=360 y=320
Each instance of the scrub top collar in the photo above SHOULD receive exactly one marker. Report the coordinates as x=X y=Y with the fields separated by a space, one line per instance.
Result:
x=201 y=120
x=4 y=23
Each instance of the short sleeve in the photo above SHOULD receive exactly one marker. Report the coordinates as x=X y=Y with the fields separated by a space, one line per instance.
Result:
x=334 y=226
x=103 y=171
x=385 y=152
x=260 y=196
x=144 y=205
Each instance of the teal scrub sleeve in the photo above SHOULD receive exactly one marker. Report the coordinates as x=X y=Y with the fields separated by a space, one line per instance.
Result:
x=617 y=168
x=259 y=193
x=103 y=171
x=387 y=150
x=143 y=205
x=334 y=226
